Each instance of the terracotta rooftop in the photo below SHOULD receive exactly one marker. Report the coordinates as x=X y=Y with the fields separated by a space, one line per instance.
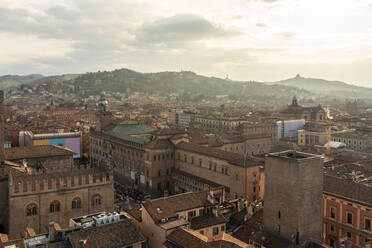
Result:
x=59 y=244
x=119 y=234
x=196 y=178
x=169 y=131
x=181 y=238
x=224 y=244
x=167 y=207
x=252 y=231
x=346 y=188
x=28 y=152
x=231 y=157
x=159 y=144
x=203 y=221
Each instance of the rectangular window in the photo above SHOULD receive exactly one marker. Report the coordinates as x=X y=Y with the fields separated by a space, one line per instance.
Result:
x=348 y=234
x=332 y=228
x=222 y=228
x=191 y=214
x=215 y=231
x=349 y=218
x=367 y=224
x=333 y=213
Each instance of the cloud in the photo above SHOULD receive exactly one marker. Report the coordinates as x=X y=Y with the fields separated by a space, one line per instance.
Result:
x=264 y=1
x=286 y=34
x=261 y=25
x=180 y=29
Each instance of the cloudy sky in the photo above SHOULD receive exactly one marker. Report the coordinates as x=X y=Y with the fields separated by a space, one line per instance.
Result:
x=247 y=39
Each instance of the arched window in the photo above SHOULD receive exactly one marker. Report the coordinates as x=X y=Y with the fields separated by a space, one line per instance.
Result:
x=76 y=203
x=31 y=209
x=55 y=206
x=96 y=200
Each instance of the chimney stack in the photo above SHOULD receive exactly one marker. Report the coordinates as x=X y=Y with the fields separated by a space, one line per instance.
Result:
x=82 y=243
x=166 y=194
x=53 y=229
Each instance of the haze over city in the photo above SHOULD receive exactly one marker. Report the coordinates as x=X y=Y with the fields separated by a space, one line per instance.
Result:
x=264 y=40
x=185 y=124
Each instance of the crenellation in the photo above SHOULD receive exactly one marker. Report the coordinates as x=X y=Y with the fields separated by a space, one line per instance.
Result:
x=34 y=183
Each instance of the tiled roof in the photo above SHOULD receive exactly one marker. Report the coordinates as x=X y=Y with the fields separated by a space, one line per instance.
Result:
x=223 y=244
x=196 y=178
x=159 y=144
x=180 y=238
x=231 y=157
x=59 y=244
x=169 y=131
x=28 y=152
x=168 y=207
x=348 y=189
x=252 y=231
x=19 y=243
x=203 y=221
x=119 y=234
x=125 y=132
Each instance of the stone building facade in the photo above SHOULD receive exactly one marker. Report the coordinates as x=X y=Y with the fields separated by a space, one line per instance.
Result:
x=153 y=163
x=239 y=175
x=296 y=111
x=40 y=184
x=221 y=124
x=260 y=129
x=358 y=140
x=293 y=196
x=37 y=199
x=123 y=150
x=347 y=212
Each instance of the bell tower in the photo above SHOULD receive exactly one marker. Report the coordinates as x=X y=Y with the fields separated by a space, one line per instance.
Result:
x=104 y=117
x=294 y=101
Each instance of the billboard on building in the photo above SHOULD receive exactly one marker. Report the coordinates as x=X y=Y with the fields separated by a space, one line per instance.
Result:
x=72 y=141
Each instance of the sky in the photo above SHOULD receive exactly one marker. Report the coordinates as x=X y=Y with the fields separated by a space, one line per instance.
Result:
x=263 y=40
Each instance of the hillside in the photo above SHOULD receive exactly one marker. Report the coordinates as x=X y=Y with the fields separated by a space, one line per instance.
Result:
x=329 y=88
x=11 y=81
x=189 y=86
x=186 y=85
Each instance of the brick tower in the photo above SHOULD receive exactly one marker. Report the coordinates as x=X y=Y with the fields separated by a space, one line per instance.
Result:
x=293 y=196
x=2 y=157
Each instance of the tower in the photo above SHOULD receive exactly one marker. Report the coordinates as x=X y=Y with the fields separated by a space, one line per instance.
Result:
x=104 y=117
x=293 y=196
x=102 y=104
x=294 y=101
x=2 y=156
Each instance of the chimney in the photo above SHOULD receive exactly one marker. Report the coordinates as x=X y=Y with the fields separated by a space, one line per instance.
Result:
x=82 y=243
x=53 y=229
x=2 y=156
